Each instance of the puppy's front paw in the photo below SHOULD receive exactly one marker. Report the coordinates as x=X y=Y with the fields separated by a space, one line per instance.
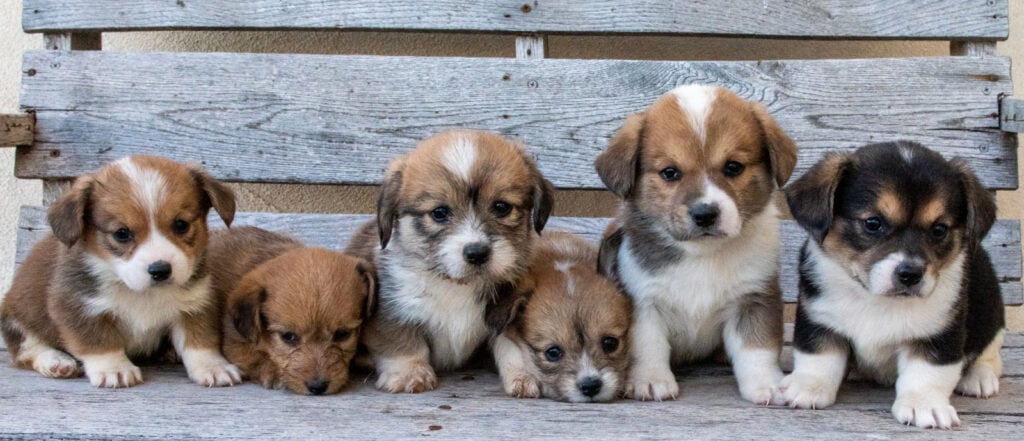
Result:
x=56 y=364
x=652 y=386
x=522 y=386
x=414 y=377
x=980 y=381
x=208 y=368
x=111 y=370
x=763 y=391
x=925 y=411
x=805 y=391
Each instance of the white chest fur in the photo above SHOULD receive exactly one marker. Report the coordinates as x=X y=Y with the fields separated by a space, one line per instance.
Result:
x=693 y=295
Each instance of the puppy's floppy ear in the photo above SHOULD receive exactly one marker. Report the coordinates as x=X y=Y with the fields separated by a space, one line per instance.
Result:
x=244 y=305
x=981 y=207
x=509 y=305
x=368 y=274
x=543 y=202
x=222 y=198
x=607 y=254
x=781 y=148
x=811 y=198
x=617 y=165
x=67 y=214
x=387 y=201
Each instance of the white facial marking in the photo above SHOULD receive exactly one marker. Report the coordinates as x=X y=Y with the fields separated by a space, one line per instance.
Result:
x=148 y=184
x=729 y=221
x=460 y=156
x=586 y=371
x=907 y=154
x=570 y=281
x=452 y=247
x=696 y=101
x=880 y=279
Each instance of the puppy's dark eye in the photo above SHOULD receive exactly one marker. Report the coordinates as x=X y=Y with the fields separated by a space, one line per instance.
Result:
x=733 y=169
x=553 y=353
x=341 y=335
x=180 y=227
x=939 y=231
x=123 y=235
x=873 y=225
x=290 y=338
x=670 y=174
x=609 y=344
x=441 y=214
x=501 y=208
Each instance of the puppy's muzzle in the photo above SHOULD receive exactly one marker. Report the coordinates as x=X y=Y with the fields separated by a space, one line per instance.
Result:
x=477 y=253
x=317 y=386
x=159 y=271
x=704 y=215
x=909 y=273
x=590 y=386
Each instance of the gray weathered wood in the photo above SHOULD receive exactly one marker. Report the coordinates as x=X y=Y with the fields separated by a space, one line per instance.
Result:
x=77 y=41
x=305 y=118
x=470 y=404
x=530 y=47
x=334 y=230
x=972 y=48
x=938 y=19
x=1011 y=114
x=16 y=130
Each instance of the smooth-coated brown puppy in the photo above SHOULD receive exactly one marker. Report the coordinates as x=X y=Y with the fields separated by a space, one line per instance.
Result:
x=124 y=269
x=568 y=334
x=293 y=314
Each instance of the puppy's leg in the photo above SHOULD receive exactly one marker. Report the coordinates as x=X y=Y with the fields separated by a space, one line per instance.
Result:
x=922 y=392
x=96 y=341
x=819 y=364
x=651 y=376
x=514 y=370
x=982 y=378
x=753 y=340
x=29 y=351
x=196 y=338
x=402 y=356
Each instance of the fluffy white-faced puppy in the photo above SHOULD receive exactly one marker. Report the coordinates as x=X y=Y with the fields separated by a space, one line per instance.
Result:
x=124 y=268
x=893 y=273
x=455 y=222
x=568 y=335
x=696 y=244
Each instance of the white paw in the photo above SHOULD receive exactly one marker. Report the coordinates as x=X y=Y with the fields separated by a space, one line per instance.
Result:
x=652 y=386
x=805 y=391
x=925 y=411
x=522 y=386
x=763 y=391
x=111 y=370
x=412 y=377
x=979 y=381
x=56 y=364
x=213 y=371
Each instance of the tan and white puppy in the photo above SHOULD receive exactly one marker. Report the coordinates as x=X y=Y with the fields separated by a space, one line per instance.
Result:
x=697 y=242
x=293 y=314
x=568 y=338
x=124 y=267
x=455 y=222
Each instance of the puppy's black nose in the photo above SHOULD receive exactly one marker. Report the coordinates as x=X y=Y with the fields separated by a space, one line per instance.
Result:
x=909 y=274
x=477 y=253
x=160 y=270
x=704 y=215
x=590 y=386
x=317 y=386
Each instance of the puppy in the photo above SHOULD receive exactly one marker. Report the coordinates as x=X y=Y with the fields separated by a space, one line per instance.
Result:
x=455 y=221
x=894 y=273
x=292 y=314
x=569 y=339
x=696 y=244
x=124 y=267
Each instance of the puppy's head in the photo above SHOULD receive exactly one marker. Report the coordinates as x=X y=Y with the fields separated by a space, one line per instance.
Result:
x=303 y=312
x=465 y=204
x=142 y=219
x=895 y=215
x=574 y=326
x=698 y=163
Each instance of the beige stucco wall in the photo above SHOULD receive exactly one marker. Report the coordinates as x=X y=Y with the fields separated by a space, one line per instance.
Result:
x=342 y=199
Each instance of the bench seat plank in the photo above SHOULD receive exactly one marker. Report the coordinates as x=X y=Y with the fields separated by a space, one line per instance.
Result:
x=938 y=19
x=334 y=230
x=305 y=118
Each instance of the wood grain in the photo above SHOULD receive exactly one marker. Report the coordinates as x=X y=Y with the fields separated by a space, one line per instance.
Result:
x=339 y=119
x=334 y=230
x=17 y=130
x=1011 y=114
x=936 y=19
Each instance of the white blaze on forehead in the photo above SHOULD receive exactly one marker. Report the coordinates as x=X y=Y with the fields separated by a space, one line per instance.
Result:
x=148 y=184
x=460 y=156
x=907 y=153
x=696 y=101
x=564 y=267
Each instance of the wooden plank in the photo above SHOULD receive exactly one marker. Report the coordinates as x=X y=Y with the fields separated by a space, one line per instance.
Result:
x=334 y=230
x=972 y=48
x=934 y=19
x=68 y=41
x=16 y=130
x=1011 y=115
x=340 y=119
x=470 y=404
x=530 y=47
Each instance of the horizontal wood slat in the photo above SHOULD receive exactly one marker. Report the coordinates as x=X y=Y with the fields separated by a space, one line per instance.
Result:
x=938 y=19
x=339 y=119
x=16 y=130
x=334 y=230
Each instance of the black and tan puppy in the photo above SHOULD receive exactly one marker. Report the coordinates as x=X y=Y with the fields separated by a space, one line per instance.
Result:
x=293 y=314
x=124 y=269
x=894 y=274
x=455 y=222
x=568 y=336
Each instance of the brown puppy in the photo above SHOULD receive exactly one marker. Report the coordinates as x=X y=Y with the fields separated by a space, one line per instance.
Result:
x=569 y=340
x=292 y=314
x=455 y=221
x=125 y=267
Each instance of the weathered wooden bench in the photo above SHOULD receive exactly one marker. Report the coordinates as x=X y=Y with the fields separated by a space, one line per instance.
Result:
x=315 y=119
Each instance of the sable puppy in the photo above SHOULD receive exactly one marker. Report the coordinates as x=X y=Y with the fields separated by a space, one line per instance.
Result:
x=894 y=273
x=696 y=244
x=455 y=220
x=292 y=314
x=124 y=267
x=568 y=334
